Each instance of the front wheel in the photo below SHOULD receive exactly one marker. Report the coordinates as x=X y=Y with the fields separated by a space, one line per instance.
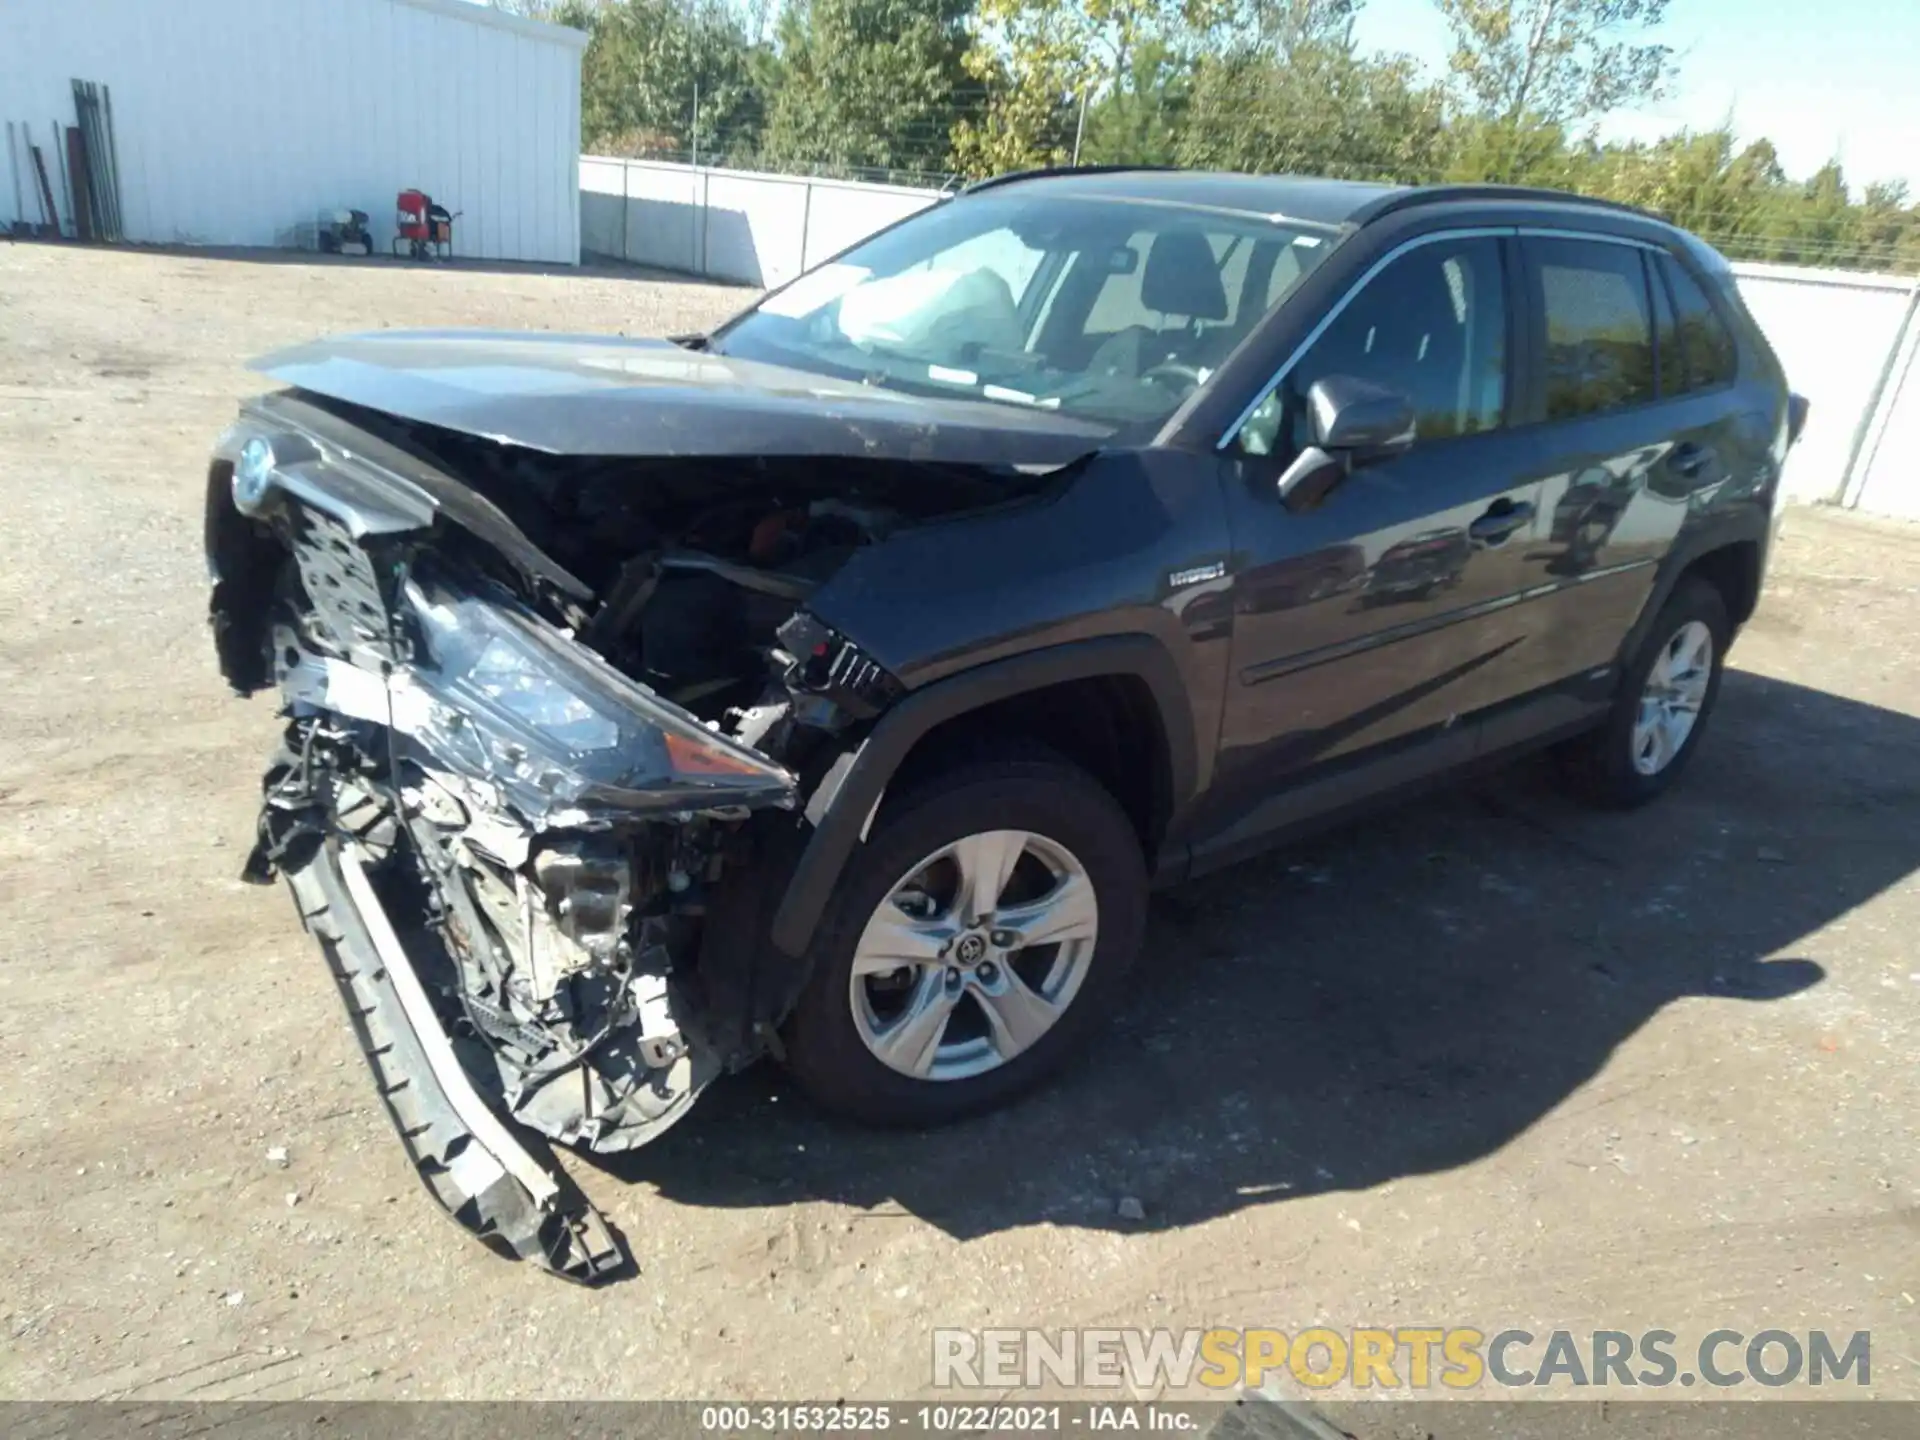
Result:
x=981 y=931
x=1665 y=698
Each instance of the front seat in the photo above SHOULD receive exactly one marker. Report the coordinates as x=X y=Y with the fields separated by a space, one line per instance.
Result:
x=1181 y=278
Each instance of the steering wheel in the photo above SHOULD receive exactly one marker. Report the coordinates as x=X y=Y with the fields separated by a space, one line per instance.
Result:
x=1169 y=371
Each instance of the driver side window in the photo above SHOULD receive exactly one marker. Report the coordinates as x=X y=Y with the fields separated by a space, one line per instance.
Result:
x=1432 y=326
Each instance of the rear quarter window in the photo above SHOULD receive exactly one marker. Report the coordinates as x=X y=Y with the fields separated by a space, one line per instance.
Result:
x=1699 y=353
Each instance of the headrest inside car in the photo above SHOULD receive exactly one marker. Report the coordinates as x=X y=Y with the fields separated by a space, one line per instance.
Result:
x=1183 y=278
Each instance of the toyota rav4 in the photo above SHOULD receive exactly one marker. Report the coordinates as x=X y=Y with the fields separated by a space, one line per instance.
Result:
x=836 y=685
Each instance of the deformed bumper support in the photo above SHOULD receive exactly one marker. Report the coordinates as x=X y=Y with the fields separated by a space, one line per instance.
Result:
x=464 y=1152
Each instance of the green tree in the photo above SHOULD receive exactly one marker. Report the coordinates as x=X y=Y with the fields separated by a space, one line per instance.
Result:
x=1555 y=61
x=1886 y=228
x=1699 y=180
x=1818 y=229
x=1262 y=85
x=1043 y=62
x=1283 y=87
x=1140 y=121
x=1511 y=152
x=650 y=64
x=1282 y=29
x=1324 y=111
x=867 y=84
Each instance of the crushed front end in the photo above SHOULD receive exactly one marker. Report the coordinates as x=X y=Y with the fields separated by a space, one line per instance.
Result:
x=506 y=846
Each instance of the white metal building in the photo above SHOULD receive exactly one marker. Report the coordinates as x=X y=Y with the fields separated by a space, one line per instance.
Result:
x=235 y=121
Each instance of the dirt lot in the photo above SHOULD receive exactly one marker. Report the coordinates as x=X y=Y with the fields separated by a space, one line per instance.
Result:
x=1490 y=1060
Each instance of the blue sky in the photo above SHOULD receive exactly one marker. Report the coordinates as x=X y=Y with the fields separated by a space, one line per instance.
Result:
x=1819 y=77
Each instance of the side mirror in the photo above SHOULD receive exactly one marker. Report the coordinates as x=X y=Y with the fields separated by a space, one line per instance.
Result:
x=1359 y=416
x=1353 y=422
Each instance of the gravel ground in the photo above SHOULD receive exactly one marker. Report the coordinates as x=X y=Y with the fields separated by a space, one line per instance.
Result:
x=1489 y=1060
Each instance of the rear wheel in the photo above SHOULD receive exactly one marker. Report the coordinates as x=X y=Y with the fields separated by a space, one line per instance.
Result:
x=981 y=931
x=1665 y=698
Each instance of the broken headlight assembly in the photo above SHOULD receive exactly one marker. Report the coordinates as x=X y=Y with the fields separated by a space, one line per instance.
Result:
x=504 y=697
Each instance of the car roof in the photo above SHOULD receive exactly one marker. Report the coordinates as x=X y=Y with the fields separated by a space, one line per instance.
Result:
x=1313 y=199
x=1294 y=197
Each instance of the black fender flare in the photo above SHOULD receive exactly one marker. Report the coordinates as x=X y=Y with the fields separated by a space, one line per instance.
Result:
x=838 y=829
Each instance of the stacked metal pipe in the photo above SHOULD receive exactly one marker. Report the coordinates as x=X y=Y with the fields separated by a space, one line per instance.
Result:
x=93 y=162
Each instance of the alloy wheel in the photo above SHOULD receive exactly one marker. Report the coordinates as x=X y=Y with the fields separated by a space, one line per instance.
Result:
x=974 y=955
x=1670 y=703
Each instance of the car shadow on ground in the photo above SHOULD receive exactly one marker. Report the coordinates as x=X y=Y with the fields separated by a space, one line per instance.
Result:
x=1401 y=996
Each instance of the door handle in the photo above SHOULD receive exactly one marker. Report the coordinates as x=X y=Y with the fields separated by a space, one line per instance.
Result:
x=1689 y=459
x=1503 y=517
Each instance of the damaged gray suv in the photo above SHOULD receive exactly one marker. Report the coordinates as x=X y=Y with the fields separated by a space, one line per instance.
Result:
x=835 y=685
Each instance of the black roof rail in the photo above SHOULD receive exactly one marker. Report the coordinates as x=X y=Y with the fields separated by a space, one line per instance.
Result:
x=1046 y=171
x=1441 y=194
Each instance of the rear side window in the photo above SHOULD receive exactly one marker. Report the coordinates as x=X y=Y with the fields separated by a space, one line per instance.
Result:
x=1599 y=326
x=1698 y=353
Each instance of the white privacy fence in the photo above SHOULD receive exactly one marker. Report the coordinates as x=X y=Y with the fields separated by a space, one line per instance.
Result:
x=1848 y=340
x=1884 y=476
x=733 y=225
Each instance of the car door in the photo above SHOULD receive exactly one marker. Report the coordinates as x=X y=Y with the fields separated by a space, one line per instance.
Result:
x=1638 y=424
x=1394 y=607
x=1722 y=421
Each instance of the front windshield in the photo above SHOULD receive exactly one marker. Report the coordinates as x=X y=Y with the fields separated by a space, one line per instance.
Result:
x=1108 y=310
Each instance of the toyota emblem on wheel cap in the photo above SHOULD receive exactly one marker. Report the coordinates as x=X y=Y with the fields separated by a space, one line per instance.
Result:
x=971 y=949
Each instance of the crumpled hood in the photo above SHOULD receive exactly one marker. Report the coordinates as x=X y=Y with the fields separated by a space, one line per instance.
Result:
x=599 y=395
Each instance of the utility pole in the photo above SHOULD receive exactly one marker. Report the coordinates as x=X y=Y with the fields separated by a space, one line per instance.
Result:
x=696 y=122
x=1080 y=126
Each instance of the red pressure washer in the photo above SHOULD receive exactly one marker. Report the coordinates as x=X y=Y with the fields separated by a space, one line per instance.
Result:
x=426 y=229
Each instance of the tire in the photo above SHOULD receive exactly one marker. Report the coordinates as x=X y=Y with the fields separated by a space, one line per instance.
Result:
x=1601 y=767
x=1066 y=817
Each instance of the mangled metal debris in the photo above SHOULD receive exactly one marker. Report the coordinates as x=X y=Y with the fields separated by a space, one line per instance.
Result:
x=520 y=772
